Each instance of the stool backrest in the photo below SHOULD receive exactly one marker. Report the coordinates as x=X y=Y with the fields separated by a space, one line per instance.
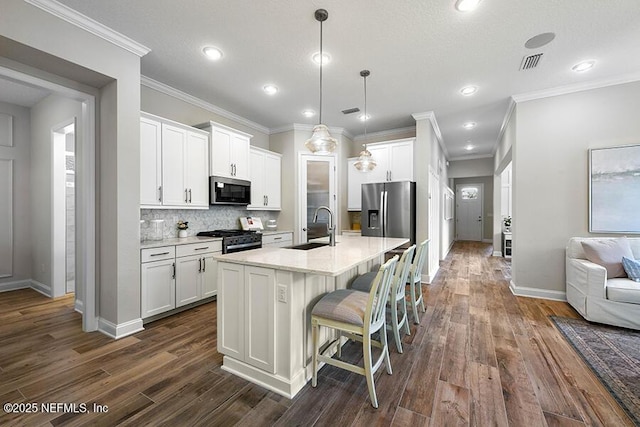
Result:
x=402 y=273
x=374 y=316
x=418 y=261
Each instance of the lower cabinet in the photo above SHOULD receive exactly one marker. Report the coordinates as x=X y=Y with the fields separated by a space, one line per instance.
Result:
x=246 y=314
x=185 y=274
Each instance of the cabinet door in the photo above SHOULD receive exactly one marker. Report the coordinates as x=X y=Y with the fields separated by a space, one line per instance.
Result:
x=208 y=276
x=259 y=294
x=188 y=286
x=256 y=163
x=158 y=287
x=150 y=162
x=401 y=161
x=197 y=169
x=231 y=310
x=173 y=161
x=272 y=180
x=240 y=156
x=355 y=179
x=221 y=140
x=381 y=172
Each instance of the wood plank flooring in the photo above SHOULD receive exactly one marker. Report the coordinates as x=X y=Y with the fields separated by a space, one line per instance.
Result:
x=480 y=357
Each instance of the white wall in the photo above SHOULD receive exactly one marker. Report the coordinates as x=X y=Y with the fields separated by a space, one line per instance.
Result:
x=21 y=155
x=550 y=176
x=470 y=168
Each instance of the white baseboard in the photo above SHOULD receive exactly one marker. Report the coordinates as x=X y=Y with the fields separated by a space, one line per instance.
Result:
x=121 y=330
x=487 y=240
x=79 y=306
x=497 y=253
x=42 y=288
x=14 y=286
x=523 y=291
x=428 y=278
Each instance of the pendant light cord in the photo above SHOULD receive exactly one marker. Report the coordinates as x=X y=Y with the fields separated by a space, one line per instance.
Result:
x=365 y=112
x=321 y=61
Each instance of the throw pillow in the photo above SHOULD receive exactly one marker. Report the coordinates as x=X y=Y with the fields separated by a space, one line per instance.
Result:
x=632 y=267
x=608 y=253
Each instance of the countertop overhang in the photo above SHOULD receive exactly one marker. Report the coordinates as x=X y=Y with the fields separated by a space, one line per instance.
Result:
x=349 y=252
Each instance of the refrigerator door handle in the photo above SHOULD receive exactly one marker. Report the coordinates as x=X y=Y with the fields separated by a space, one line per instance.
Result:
x=385 y=215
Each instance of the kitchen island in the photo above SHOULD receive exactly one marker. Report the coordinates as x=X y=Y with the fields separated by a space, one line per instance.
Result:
x=265 y=298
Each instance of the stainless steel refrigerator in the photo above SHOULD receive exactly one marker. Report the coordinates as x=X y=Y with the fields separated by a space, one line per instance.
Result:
x=389 y=210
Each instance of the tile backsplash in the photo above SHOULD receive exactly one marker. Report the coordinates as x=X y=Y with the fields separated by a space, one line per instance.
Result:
x=214 y=218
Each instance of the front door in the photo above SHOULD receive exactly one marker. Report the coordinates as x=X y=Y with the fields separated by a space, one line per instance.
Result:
x=469 y=220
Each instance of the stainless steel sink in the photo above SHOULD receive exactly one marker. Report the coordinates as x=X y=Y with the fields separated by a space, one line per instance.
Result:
x=307 y=246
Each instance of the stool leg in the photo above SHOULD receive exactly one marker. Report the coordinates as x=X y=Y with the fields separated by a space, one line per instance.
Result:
x=414 y=306
x=314 y=338
x=368 y=369
x=394 y=325
x=405 y=316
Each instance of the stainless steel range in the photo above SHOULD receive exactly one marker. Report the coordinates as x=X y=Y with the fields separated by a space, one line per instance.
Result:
x=236 y=240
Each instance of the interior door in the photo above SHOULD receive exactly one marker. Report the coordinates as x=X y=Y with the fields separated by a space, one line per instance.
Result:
x=318 y=188
x=469 y=218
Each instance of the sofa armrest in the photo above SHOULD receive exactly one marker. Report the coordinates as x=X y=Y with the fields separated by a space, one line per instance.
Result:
x=587 y=276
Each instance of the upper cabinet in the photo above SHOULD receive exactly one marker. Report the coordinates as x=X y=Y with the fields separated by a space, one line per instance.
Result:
x=394 y=161
x=229 y=151
x=265 y=167
x=174 y=165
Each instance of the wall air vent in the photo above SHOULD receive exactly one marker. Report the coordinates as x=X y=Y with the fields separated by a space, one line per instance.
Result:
x=531 y=61
x=350 y=110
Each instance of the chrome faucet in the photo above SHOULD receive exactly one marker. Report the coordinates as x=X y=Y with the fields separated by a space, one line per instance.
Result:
x=332 y=228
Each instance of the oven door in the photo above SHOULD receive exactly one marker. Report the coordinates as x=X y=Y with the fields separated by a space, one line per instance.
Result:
x=238 y=247
x=229 y=191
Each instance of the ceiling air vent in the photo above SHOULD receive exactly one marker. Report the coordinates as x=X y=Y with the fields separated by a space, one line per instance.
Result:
x=531 y=61
x=350 y=110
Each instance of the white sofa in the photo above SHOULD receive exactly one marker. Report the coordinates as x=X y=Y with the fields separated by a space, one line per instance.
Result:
x=598 y=299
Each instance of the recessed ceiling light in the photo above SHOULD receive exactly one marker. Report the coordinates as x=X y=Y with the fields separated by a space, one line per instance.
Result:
x=270 y=89
x=466 y=5
x=469 y=125
x=364 y=118
x=326 y=58
x=308 y=113
x=469 y=147
x=469 y=90
x=583 y=66
x=213 y=53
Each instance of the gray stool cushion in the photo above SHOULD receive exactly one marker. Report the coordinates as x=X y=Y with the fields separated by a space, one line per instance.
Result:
x=363 y=282
x=343 y=305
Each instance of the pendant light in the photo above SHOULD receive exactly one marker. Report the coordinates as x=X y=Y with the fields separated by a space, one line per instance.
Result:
x=321 y=142
x=365 y=162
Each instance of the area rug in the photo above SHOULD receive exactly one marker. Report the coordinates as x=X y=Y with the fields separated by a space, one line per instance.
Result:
x=613 y=354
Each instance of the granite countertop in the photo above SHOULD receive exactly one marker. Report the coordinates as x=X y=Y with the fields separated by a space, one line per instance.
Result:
x=326 y=260
x=147 y=244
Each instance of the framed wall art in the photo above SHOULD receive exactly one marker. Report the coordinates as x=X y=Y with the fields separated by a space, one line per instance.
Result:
x=614 y=189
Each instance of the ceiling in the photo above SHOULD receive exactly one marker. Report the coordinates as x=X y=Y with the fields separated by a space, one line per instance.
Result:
x=420 y=53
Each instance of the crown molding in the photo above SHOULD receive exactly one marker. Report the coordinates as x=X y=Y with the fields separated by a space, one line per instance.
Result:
x=431 y=116
x=577 y=87
x=168 y=90
x=471 y=157
x=384 y=133
x=505 y=122
x=73 y=17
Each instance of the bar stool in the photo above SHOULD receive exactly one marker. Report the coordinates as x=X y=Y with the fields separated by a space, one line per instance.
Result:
x=397 y=294
x=358 y=315
x=415 y=277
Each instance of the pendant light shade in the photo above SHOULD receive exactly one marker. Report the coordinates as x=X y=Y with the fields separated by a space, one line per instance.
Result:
x=321 y=142
x=365 y=162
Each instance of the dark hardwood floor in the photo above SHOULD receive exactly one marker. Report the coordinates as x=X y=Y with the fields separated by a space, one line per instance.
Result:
x=479 y=357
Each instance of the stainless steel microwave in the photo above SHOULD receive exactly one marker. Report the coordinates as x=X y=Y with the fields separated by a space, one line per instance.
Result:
x=229 y=191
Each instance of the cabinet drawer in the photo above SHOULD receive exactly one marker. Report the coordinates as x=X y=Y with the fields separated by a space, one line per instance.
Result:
x=276 y=238
x=158 y=254
x=199 y=248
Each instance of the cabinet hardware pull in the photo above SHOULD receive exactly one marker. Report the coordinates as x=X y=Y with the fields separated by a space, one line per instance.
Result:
x=201 y=249
x=267 y=200
x=231 y=169
x=186 y=196
x=189 y=195
x=199 y=265
x=159 y=254
x=160 y=193
x=277 y=238
x=174 y=271
x=204 y=265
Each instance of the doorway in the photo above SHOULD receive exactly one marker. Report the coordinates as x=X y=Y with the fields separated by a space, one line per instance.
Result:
x=317 y=188
x=469 y=212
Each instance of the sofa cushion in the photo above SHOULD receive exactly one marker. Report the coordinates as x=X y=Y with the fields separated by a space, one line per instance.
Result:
x=632 y=268
x=623 y=290
x=608 y=253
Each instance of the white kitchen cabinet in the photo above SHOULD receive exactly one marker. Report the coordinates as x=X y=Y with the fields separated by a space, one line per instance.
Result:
x=174 y=165
x=195 y=271
x=265 y=167
x=277 y=240
x=246 y=319
x=158 y=284
x=394 y=162
x=229 y=151
x=150 y=162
